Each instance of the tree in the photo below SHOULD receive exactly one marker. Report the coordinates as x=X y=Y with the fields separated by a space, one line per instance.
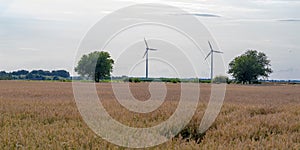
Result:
x=96 y=65
x=5 y=76
x=20 y=72
x=41 y=72
x=60 y=73
x=248 y=67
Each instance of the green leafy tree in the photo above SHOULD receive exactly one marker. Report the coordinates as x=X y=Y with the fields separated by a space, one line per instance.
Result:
x=96 y=65
x=248 y=67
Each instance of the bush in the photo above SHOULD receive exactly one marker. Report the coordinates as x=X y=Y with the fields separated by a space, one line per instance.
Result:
x=176 y=80
x=221 y=79
x=256 y=82
x=204 y=81
x=55 y=78
x=171 y=80
x=229 y=81
x=135 y=80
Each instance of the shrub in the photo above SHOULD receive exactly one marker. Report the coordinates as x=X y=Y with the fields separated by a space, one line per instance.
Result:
x=204 y=81
x=135 y=80
x=172 y=80
x=221 y=79
x=176 y=80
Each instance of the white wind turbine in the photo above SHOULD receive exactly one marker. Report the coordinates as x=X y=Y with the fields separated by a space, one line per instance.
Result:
x=146 y=54
x=211 y=53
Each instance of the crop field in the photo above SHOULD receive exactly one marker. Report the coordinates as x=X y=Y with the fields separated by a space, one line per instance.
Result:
x=43 y=115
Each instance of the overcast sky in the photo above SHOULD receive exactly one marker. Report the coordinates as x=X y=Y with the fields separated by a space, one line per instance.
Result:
x=45 y=34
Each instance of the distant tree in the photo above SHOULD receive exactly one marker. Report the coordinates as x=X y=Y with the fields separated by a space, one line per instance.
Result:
x=60 y=73
x=41 y=72
x=248 y=67
x=3 y=73
x=5 y=76
x=20 y=72
x=96 y=65
x=32 y=76
x=55 y=78
x=35 y=72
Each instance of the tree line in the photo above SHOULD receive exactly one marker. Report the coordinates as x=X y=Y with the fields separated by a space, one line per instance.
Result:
x=35 y=75
x=246 y=68
x=98 y=65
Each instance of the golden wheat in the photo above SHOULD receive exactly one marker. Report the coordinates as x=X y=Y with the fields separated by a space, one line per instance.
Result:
x=43 y=115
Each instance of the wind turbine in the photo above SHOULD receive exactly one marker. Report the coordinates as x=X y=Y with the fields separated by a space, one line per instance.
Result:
x=146 y=54
x=211 y=53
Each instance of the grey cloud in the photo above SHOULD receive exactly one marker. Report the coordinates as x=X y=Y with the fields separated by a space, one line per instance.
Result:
x=289 y=70
x=203 y=15
x=207 y=15
x=289 y=20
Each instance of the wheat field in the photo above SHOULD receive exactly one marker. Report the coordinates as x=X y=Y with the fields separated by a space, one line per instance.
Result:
x=43 y=115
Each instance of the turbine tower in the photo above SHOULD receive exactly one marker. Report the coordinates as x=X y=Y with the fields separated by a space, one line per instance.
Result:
x=211 y=53
x=146 y=54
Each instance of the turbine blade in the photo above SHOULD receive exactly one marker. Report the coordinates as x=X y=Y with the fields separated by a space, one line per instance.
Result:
x=210 y=46
x=218 y=52
x=145 y=53
x=146 y=43
x=207 y=55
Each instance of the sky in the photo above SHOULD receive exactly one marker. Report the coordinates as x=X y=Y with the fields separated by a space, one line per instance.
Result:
x=46 y=34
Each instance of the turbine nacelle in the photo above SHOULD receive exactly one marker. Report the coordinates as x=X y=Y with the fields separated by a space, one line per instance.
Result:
x=147 y=48
x=212 y=51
